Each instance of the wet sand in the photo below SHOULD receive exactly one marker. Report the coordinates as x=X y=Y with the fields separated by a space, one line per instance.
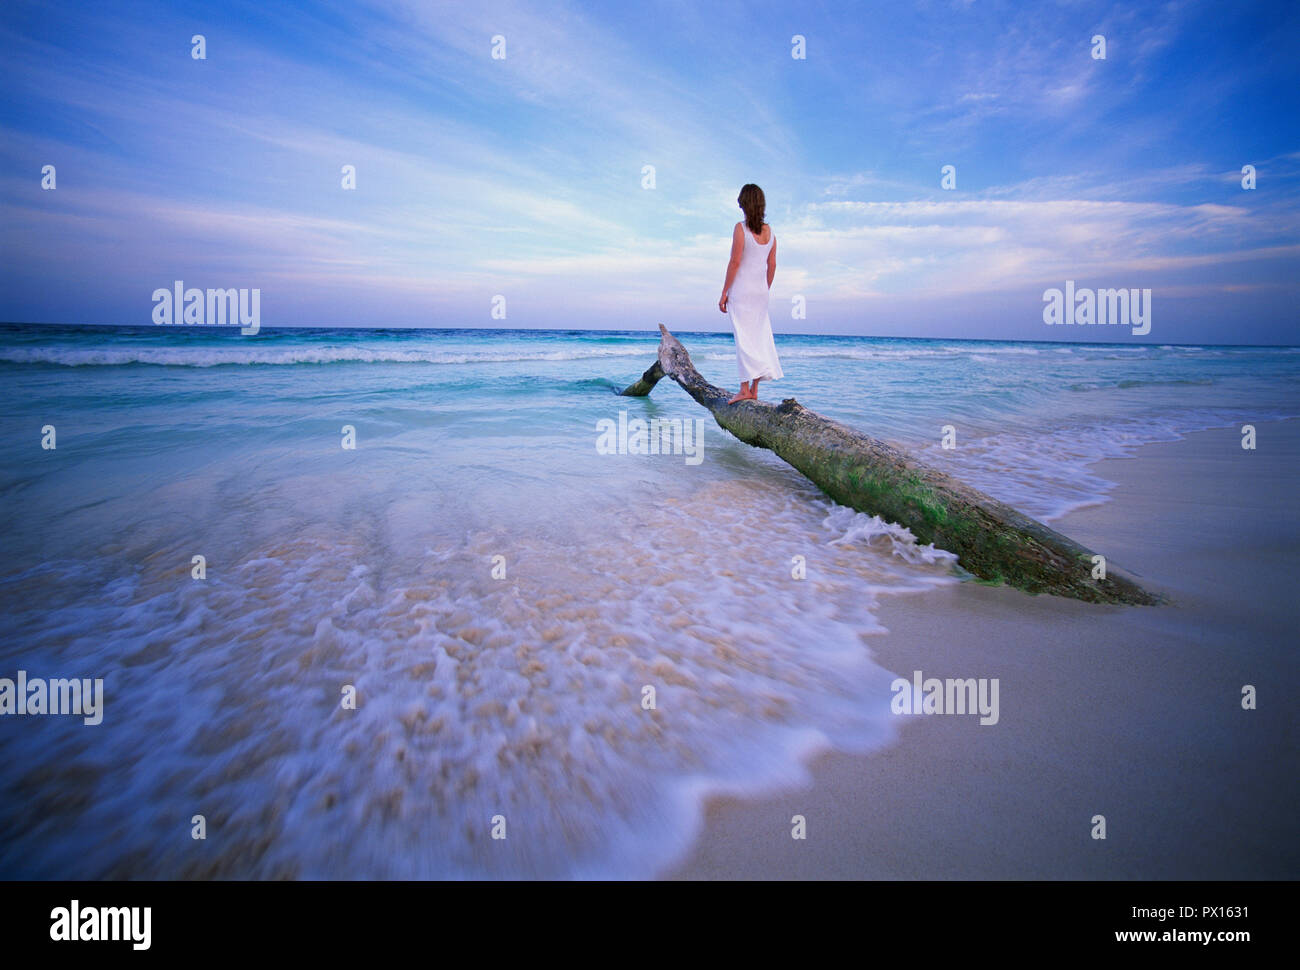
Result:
x=1130 y=713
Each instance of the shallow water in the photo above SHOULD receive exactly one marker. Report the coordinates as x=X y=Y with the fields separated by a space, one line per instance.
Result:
x=515 y=695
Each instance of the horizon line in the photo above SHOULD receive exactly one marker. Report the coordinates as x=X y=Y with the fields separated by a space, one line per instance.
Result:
x=476 y=329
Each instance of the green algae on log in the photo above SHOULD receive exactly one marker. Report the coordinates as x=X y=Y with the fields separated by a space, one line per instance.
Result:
x=990 y=539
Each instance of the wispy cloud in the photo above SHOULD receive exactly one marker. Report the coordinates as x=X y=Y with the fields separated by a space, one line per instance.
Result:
x=523 y=176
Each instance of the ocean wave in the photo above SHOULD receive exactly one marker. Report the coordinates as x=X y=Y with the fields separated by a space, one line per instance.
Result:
x=808 y=353
x=223 y=357
x=1134 y=382
x=851 y=526
x=1047 y=474
x=476 y=697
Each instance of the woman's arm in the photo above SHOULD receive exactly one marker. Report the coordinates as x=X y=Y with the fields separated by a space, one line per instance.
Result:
x=771 y=263
x=737 y=250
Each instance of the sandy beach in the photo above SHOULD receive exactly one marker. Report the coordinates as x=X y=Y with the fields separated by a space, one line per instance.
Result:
x=1130 y=713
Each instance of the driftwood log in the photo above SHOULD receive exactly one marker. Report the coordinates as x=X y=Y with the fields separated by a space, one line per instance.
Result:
x=990 y=539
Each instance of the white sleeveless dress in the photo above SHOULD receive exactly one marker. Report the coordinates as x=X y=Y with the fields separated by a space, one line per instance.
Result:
x=747 y=308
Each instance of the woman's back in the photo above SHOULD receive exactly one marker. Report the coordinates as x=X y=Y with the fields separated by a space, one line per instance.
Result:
x=752 y=274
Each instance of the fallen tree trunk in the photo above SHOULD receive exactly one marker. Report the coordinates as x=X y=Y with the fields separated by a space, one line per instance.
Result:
x=990 y=539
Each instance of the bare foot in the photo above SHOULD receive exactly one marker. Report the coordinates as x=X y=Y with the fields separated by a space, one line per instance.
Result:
x=739 y=396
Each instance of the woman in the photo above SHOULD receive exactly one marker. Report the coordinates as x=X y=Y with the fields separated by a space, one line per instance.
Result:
x=744 y=295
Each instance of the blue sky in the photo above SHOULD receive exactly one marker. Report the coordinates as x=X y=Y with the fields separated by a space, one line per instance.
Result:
x=522 y=176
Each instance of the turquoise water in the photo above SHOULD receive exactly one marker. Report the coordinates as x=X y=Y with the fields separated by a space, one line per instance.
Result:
x=482 y=695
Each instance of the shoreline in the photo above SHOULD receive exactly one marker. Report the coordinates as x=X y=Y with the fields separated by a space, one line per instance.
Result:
x=1133 y=713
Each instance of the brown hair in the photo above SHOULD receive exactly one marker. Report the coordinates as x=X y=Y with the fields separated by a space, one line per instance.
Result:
x=752 y=201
